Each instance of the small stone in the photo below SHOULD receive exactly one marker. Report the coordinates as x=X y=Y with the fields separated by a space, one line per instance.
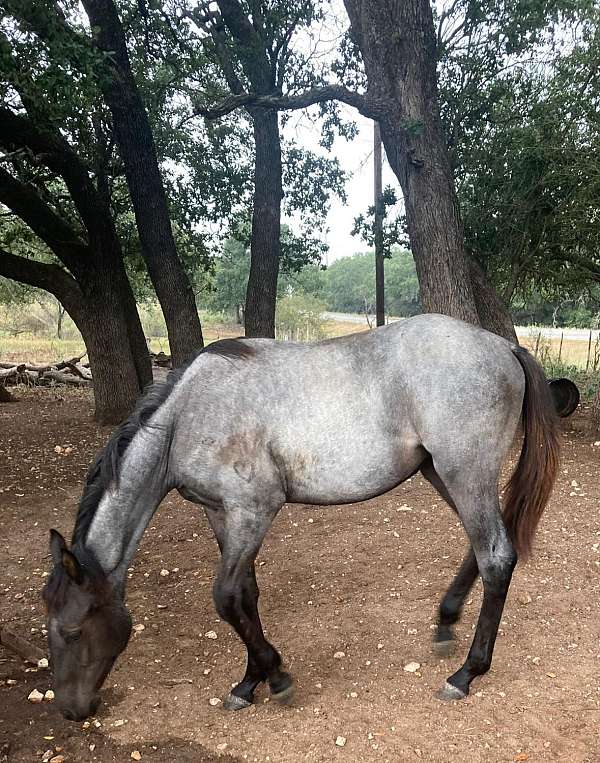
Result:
x=536 y=660
x=524 y=599
x=136 y=755
x=574 y=483
x=211 y=634
x=412 y=667
x=164 y=573
x=120 y=722
x=139 y=627
x=47 y=755
x=214 y=701
x=11 y=682
x=353 y=694
x=339 y=655
x=43 y=663
x=222 y=746
x=206 y=671
x=340 y=741
x=551 y=675
x=35 y=696
x=92 y=747
x=49 y=695
x=58 y=759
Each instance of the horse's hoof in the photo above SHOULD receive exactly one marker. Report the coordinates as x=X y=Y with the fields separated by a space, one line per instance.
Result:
x=232 y=702
x=285 y=696
x=450 y=693
x=444 y=648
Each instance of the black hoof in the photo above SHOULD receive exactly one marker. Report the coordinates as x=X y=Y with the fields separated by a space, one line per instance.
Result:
x=444 y=648
x=283 y=690
x=232 y=702
x=450 y=693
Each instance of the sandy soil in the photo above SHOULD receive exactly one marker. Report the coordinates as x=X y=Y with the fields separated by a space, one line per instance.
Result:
x=363 y=580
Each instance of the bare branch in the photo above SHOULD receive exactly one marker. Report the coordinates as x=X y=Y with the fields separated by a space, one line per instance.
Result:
x=365 y=105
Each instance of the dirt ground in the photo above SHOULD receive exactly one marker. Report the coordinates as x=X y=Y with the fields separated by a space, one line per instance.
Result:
x=363 y=580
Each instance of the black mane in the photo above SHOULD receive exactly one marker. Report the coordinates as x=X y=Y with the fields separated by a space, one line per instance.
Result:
x=105 y=468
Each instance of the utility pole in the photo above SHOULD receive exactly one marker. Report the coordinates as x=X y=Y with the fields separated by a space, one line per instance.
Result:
x=378 y=227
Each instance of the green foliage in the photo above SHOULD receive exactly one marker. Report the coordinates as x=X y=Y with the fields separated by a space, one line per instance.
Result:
x=299 y=318
x=393 y=228
x=350 y=284
x=521 y=113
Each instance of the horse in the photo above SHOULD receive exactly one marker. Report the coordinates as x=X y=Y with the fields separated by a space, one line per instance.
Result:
x=254 y=423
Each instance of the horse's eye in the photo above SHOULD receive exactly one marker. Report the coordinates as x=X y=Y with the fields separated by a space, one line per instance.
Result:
x=72 y=636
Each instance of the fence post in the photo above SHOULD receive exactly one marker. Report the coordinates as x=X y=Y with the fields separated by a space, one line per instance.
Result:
x=562 y=334
x=537 y=344
x=587 y=365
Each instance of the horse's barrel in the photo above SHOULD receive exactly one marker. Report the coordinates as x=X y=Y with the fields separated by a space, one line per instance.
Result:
x=565 y=395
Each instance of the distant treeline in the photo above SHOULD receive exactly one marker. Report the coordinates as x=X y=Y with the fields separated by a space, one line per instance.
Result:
x=348 y=286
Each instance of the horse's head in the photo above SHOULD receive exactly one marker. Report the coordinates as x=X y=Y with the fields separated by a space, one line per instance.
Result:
x=88 y=627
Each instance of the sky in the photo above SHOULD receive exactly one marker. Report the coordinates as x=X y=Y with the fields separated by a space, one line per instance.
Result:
x=355 y=157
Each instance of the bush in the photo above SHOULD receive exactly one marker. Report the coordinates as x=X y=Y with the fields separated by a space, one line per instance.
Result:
x=299 y=318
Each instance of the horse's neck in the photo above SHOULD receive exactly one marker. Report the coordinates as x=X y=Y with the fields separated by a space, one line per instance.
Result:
x=126 y=509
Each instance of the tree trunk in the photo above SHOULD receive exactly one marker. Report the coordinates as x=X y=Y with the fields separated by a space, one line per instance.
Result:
x=493 y=313
x=398 y=46
x=138 y=151
x=265 y=249
x=96 y=307
x=135 y=332
x=115 y=379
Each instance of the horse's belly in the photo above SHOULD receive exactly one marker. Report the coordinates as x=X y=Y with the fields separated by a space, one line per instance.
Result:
x=350 y=475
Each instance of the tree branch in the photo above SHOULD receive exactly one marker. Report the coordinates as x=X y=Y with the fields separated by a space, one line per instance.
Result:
x=25 y=202
x=18 y=131
x=42 y=275
x=365 y=105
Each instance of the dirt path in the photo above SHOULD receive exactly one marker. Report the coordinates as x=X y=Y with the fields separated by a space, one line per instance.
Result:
x=363 y=580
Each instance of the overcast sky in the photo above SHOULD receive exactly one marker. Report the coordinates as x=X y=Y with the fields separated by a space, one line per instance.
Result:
x=355 y=157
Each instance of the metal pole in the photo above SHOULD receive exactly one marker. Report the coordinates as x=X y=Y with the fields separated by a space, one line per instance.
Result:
x=378 y=228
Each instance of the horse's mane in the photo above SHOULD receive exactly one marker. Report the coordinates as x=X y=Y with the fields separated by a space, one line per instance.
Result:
x=105 y=469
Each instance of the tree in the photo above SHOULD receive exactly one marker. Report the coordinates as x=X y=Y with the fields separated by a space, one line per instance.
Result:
x=402 y=96
x=90 y=280
x=110 y=66
x=251 y=42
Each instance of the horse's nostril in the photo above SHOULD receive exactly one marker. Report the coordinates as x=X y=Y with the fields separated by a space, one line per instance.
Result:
x=69 y=715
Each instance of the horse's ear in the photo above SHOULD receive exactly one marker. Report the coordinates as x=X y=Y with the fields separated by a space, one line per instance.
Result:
x=71 y=566
x=57 y=546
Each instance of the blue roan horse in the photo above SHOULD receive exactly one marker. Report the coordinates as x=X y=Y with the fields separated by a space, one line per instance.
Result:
x=253 y=423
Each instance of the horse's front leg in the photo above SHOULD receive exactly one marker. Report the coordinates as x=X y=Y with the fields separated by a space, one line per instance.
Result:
x=236 y=593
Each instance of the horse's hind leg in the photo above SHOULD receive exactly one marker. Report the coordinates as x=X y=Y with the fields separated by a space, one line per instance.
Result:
x=236 y=599
x=475 y=496
x=451 y=605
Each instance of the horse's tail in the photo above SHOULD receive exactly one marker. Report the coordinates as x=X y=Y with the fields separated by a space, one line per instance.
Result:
x=530 y=486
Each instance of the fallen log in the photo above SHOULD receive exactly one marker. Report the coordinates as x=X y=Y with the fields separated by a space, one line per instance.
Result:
x=58 y=366
x=7 y=373
x=64 y=378
x=20 y=646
